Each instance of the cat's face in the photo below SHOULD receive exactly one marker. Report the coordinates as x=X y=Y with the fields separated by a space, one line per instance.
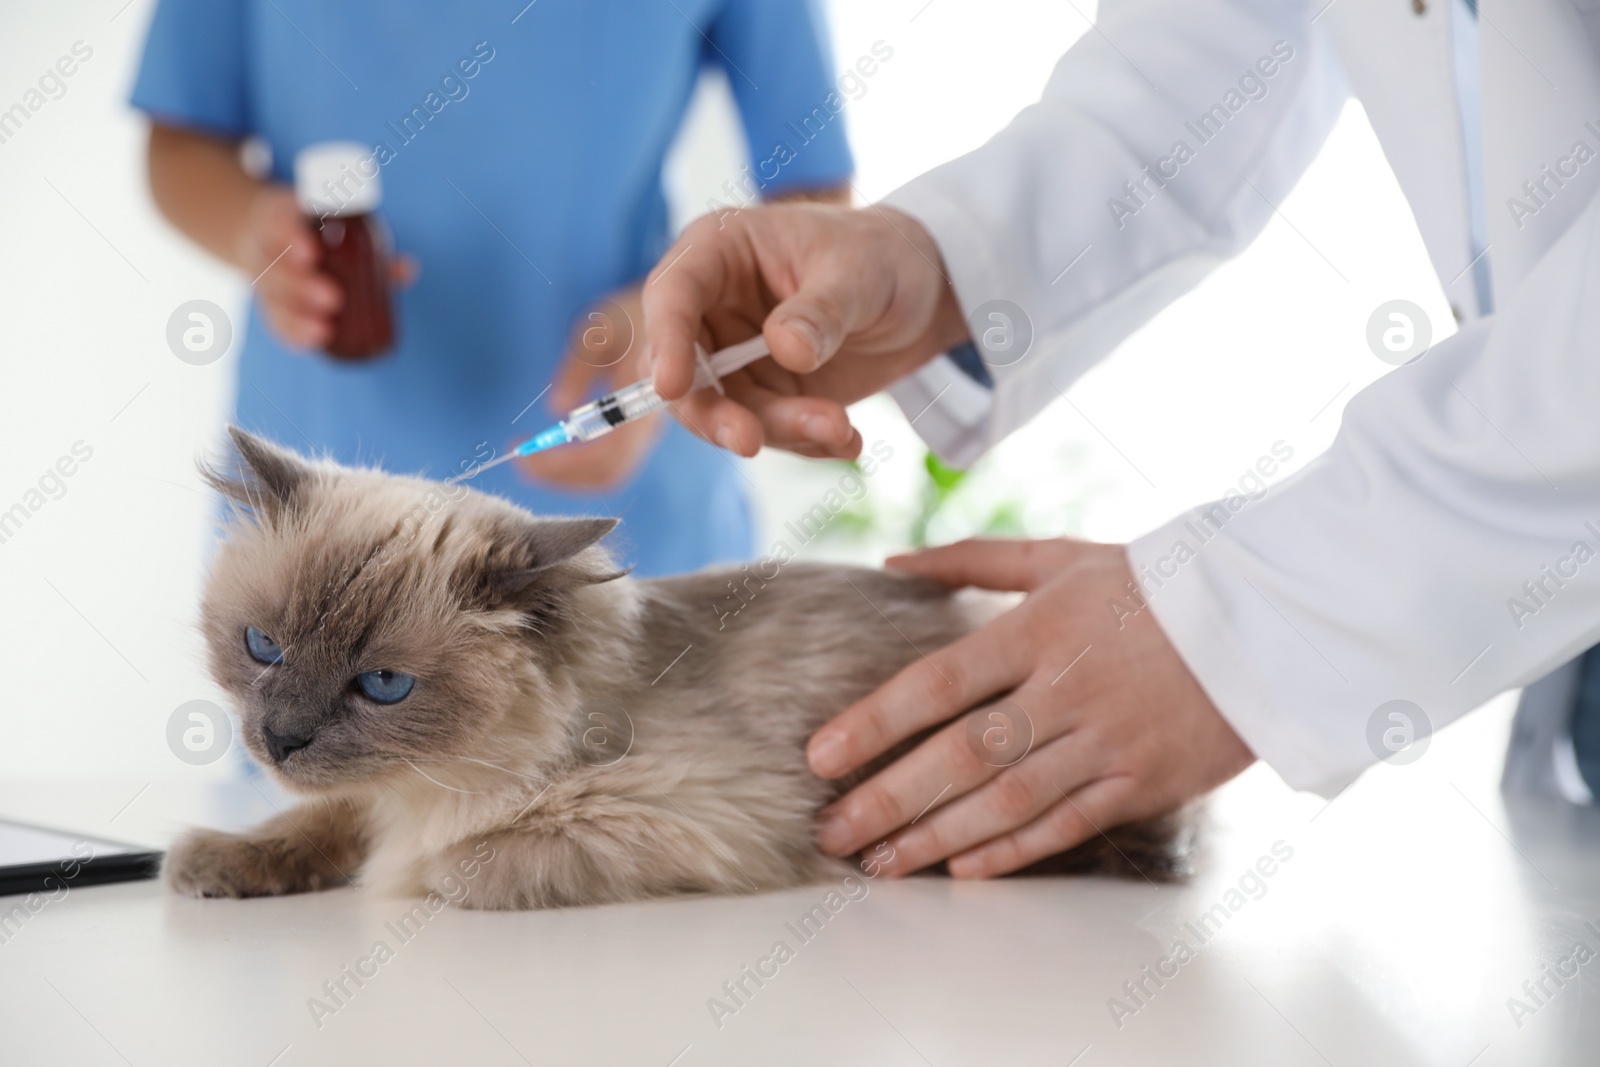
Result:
x=366 y=624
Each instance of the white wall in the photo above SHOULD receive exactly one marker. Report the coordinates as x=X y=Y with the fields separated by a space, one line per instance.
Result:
x=96 y=640
x=88 y=277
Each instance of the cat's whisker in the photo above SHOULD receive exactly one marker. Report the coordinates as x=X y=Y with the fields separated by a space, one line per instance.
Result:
x=496 y=766
x=390 y=786
x=440 y=761
x=440 y=784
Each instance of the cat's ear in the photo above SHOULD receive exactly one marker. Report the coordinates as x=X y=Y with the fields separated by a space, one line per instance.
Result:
x=552 y=541
x=536 y=560
x=548 y=543
x=267 y=479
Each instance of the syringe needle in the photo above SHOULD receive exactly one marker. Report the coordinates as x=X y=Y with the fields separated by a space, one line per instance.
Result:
x=625 y=405
x=550 y=438
x=472 y=472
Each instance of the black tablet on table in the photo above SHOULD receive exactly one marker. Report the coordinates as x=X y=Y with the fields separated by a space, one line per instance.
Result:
x=36 y=860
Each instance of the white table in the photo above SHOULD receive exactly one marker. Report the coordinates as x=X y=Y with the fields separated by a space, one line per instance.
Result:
x=1411 y=909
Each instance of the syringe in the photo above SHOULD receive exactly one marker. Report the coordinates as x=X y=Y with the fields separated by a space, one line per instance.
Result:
x=628 y=404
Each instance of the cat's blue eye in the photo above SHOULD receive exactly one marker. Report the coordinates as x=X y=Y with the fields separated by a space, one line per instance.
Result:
x=385 y=687
x=262 y=648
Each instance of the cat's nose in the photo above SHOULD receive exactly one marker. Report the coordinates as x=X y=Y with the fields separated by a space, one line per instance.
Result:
x=280 y=745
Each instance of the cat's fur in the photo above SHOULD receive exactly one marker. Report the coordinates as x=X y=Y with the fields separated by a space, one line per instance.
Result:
x=575 y=736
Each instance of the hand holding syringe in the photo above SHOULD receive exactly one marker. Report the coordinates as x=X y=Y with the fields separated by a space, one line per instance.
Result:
x=628 y=404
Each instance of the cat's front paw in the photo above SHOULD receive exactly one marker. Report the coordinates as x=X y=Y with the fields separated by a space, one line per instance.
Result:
x=210 y=863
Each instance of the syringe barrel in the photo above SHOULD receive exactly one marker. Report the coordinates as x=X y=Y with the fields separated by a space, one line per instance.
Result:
x=615 y=409
x=640 y=399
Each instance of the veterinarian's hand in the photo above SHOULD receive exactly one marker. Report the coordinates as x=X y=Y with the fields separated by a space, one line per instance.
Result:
x=849 y=301
x=604 y=352
x=279 y=251
x=1120 y=728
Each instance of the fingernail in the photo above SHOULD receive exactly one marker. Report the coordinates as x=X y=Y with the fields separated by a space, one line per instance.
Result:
x=811 y=335
x=826 y=755
x=727 y=438
x=833 y=833
x=893 y=866
x=968 y=866
x=820 y=429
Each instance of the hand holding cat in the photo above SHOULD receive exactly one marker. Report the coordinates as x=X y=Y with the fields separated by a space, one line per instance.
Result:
x=1120 y=728
x=849 y=301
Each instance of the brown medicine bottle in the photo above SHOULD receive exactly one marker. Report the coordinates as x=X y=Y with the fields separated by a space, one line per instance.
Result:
x=340 y=200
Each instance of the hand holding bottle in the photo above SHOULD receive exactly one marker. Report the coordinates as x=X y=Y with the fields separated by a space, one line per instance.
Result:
x=283 y=253
x=278 y=249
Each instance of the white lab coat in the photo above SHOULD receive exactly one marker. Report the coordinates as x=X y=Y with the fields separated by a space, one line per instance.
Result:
x=1387 y=568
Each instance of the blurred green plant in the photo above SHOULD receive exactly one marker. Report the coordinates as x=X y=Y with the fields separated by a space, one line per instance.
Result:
x=939 y=496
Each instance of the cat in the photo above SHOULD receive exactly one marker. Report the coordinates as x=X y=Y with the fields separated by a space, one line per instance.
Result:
x=465 y=691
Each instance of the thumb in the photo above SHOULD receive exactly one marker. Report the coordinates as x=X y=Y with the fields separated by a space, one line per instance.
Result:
x=1005 y=564
x=806 y=330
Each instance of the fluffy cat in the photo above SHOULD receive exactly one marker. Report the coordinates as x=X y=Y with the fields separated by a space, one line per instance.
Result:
x=465 y=691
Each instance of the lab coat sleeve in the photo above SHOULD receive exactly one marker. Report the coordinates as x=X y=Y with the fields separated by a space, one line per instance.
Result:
x=1160 y=147
x=1444 y=549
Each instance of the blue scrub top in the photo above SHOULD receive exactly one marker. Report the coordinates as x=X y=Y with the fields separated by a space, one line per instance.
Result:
x=520 y=153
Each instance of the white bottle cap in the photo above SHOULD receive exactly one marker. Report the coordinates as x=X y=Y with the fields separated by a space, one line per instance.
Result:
x=337 y=178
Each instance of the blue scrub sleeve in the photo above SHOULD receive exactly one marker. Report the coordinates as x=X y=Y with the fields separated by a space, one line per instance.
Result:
x=194 y=71
x=791 y=99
